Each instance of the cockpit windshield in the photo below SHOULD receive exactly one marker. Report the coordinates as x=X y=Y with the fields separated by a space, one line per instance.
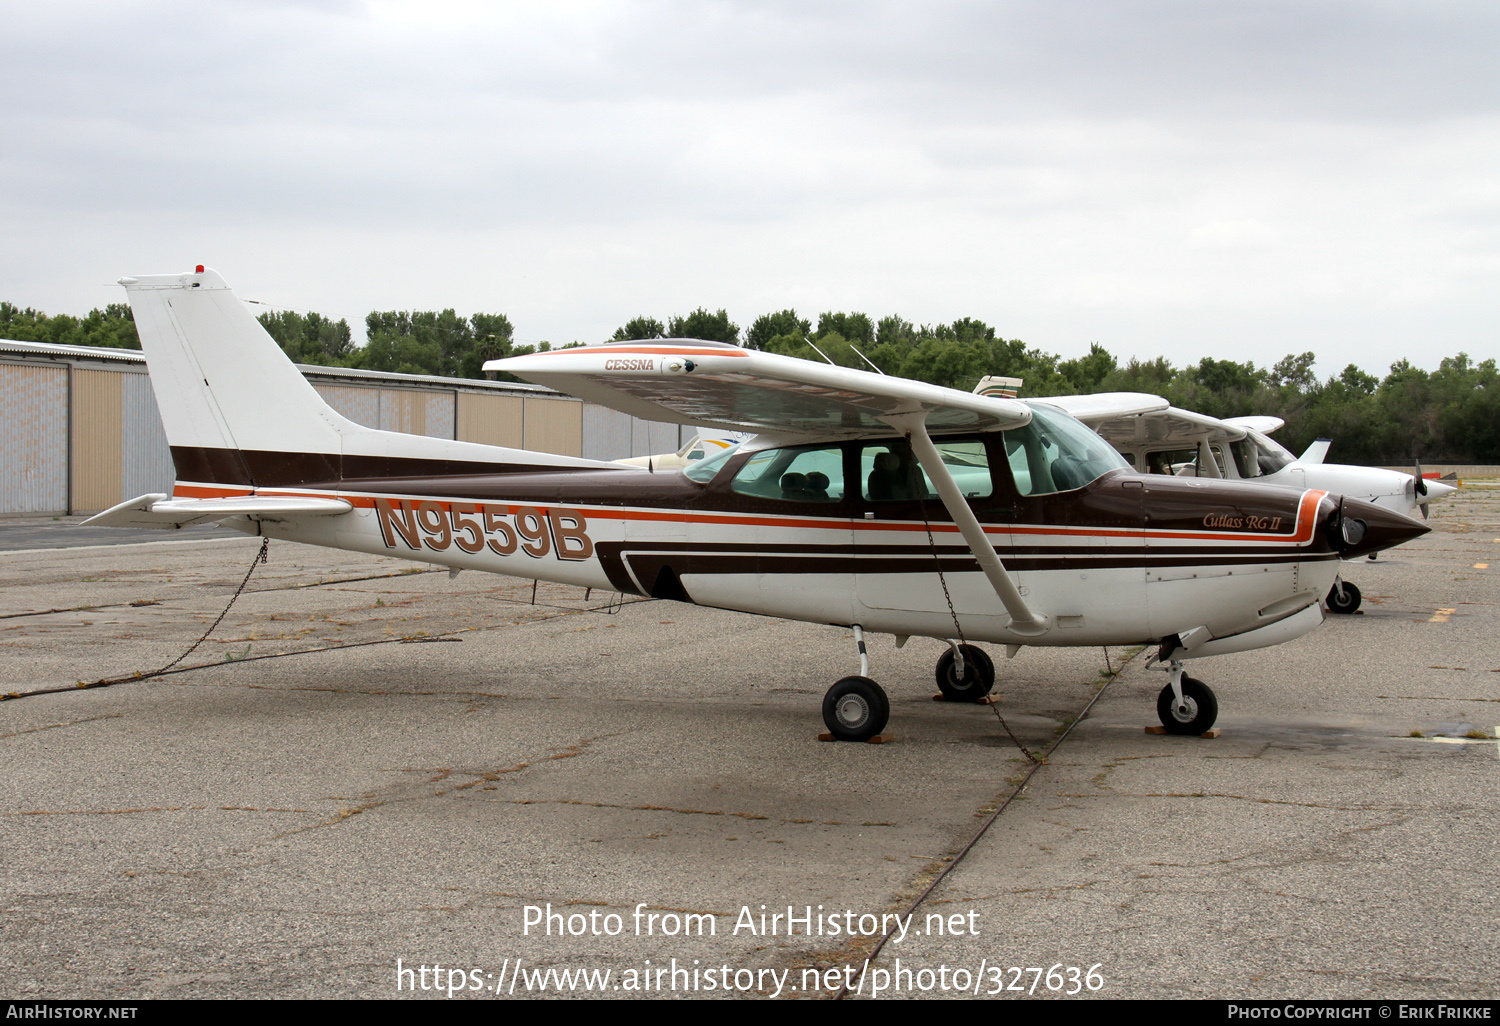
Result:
x=704 y=470
x=1055 y=453
x=1272 y=457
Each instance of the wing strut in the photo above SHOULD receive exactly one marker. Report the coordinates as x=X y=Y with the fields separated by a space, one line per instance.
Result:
x=1022 y=620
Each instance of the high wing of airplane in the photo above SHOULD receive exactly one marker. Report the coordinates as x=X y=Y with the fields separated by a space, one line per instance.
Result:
x=865 y=501
x=1174 y=441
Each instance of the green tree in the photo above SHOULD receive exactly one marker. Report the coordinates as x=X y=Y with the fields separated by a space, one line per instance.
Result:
x=431 y=342
x=493 y=335
x=769 y=326
x=712 y=327
x=111 y=328
x=310 y=338
x=852 y=327
x=640 y=328
x=1087 y=373
x=946 y=361
x=1151 y=377
x=1293 y=372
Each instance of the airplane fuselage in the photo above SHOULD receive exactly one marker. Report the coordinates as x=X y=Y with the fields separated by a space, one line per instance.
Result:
x=1126 y=558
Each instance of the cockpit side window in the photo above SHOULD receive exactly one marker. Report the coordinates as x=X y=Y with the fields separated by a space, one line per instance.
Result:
x=1169 y=461
x=890 y=472
x=803 y=474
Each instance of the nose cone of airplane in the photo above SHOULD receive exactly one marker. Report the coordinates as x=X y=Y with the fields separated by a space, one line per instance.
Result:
x=1438 y=489
x=1356 y=528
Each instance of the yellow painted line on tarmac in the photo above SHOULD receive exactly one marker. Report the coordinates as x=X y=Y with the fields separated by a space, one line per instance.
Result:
x=1481 y=566
x=1441 y=615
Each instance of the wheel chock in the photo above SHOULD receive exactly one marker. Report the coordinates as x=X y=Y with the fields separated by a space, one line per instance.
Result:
x=1209 y=734
x=878 y=739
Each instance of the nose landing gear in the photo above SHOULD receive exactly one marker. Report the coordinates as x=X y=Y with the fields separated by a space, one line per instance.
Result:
x=1344 y=598
x=1185 y=705
x=856 y=709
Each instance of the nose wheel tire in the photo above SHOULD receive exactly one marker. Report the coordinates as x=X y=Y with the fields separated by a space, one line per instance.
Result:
x=1196 y=714
x=856 y=709
x=978 y=679
x=1343 y=599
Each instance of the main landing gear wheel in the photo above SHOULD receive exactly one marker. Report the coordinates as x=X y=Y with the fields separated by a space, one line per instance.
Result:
x=856 y=709
x=978 y=679
x=1196 y=714
x=1344 y=598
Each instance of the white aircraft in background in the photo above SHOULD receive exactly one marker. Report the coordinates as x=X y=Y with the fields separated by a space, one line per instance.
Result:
x=864 y=501
x=703 y=445
x=1186 y=444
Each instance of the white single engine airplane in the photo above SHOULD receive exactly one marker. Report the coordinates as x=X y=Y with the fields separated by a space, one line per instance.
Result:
x=867 y=502
x=1173 y=441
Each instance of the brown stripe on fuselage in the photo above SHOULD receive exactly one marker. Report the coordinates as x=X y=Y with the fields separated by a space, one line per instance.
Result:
x=1114 y=508
x=267 y=469
x=647 y=559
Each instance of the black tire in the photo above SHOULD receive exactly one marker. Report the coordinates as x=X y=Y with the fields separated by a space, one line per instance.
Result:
x=1202 y=708
x=856 y=709
x=1347 y=603
x=978 y=679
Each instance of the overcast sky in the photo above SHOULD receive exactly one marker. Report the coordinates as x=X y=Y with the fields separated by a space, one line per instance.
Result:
x=1216 y=178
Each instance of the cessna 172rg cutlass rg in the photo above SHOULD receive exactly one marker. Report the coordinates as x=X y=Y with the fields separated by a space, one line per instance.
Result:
x=868 y=502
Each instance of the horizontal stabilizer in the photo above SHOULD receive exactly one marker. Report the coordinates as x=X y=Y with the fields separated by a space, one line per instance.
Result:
x=161 y=511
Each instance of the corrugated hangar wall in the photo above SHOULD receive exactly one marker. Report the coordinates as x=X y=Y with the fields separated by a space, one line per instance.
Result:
x=33 y=438
x=80 y=431
x=98 y=439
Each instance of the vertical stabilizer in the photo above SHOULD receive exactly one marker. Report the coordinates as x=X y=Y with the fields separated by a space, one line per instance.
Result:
x=1316 y=451
x=222 y=382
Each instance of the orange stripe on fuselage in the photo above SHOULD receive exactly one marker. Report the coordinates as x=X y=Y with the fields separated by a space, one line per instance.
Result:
x=653 y=350
x=192 y=491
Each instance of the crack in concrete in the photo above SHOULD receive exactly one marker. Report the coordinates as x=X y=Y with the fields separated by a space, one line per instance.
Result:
x=153 y=808
x=652 y=808
x=480 y=777
x=68 y=723
x=1247 y=798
